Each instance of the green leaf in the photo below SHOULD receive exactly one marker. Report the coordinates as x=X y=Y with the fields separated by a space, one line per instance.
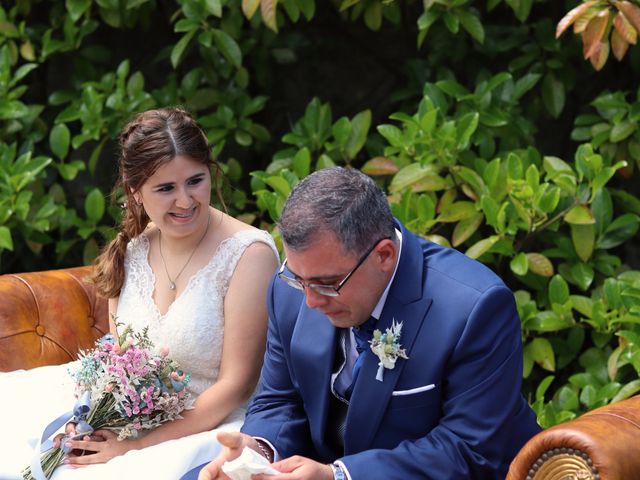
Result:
x=380 y=166
x=539 y=264
x=558 y=290
x=249 y=8
x=59 y=139
x=465 y=228
x=619 y=231
x=279 y=184
x=77 y=7
x=542 y=352
x=410 y=175
x=214 y=7
x=452 y=88
x=471 y=23
x=465 y=127
x=555 y=166
x=185 y=25
x=627 y=391
x=22 y=72
x=583 y=379
x=567 y=398
x=373 y=16
x=584 y=239
x=521 y=8
x=579 y=215
x=602 y=209
x=457 y=211
x=308 y=8
x=94 y=205
x=90 y=251
x=549 y=321
x=228 y=47
x=68 y=171
x=392 y=133
x=6 y=241
x=483 y=246
x=553 y=95
x=524 y=84
x=360 y=125
x=519 y=264
x=544 y=386
x=302 y=163
x=622 y=130
x=268 y=10
x=582 y=304
x=583 y=275
x=178 y=49
x=549 y=200
x=451 y=21
x=341 y=130
x=589 y=396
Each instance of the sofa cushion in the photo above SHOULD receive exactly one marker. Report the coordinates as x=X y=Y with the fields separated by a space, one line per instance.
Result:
x=47 y=317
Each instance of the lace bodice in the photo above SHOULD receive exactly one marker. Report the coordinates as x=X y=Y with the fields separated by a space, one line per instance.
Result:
x=192 y=327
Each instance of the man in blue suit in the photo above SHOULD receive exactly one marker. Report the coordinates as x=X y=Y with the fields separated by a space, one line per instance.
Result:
x=436 y=397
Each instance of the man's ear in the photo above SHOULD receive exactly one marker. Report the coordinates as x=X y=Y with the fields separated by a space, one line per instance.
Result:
x=386 y=253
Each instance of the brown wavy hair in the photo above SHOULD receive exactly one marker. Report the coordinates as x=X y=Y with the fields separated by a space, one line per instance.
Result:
x=152 y=139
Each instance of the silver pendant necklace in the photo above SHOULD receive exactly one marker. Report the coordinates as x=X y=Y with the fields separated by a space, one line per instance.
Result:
x=172 y=283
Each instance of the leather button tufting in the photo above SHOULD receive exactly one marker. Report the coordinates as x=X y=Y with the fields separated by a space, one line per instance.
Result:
x=91 y=320
x=40 y=330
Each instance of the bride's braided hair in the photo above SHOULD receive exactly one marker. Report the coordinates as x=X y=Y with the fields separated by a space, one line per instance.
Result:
x=152 y=139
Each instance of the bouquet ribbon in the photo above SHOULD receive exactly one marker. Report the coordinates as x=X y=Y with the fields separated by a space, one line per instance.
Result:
x=79 y=415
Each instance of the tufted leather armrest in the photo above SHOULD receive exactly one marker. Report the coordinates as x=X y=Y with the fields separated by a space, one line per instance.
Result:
x=599 y=445
x=47 y=317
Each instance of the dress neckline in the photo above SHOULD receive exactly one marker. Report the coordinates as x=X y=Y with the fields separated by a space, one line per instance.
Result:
x=144 y=254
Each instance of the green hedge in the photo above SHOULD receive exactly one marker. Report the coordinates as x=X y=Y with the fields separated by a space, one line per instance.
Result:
x=489 y=134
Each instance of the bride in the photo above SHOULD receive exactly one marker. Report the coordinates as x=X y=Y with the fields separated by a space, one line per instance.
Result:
x=195 y=277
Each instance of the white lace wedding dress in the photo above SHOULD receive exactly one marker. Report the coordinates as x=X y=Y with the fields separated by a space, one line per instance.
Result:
x=192 y=328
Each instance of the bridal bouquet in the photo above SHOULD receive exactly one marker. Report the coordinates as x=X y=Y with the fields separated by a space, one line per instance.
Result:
x=121 y=385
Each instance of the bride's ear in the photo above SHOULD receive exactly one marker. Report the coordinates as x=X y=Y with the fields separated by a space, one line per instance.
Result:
x=136 y=196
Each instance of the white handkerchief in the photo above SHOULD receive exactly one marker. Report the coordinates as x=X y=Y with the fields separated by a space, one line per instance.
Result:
x=248 y=463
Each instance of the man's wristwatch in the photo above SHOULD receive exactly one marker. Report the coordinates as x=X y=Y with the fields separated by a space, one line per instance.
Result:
x=266 y=451
x=338 y=472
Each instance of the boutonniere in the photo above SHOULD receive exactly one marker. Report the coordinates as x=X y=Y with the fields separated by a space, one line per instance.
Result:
x=386 y=346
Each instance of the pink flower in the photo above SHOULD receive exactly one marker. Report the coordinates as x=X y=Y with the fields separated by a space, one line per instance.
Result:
x=164 y=351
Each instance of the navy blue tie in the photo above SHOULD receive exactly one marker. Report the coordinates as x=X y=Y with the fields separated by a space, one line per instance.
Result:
x=362 y=335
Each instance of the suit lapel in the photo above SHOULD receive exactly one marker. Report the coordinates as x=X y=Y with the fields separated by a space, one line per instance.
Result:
x=313 y=346
x=405 y=303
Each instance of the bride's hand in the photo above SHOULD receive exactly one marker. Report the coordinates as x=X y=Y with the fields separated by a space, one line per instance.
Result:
x=103 y=445
x=69 y=430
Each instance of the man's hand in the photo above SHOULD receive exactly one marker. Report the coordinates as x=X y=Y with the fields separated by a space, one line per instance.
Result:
x=298 y=468
x=233 y=443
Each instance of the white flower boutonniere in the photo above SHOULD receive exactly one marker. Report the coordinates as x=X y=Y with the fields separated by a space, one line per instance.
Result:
x=386 y=346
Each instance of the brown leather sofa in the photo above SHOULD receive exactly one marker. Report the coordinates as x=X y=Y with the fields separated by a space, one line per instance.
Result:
x=598 y=445
x=47 y=317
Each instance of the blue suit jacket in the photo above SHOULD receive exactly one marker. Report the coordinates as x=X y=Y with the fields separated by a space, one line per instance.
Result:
x=461 y=332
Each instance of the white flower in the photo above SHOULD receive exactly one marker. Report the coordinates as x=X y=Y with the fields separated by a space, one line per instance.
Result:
x=386 y=346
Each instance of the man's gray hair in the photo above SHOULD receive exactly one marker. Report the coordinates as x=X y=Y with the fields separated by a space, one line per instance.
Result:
x=340 y=200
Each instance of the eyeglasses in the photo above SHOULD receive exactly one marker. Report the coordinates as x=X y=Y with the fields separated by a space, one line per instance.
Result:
x=326 y=290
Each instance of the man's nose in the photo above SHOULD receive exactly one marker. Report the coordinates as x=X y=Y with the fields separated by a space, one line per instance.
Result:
x=314 y=299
